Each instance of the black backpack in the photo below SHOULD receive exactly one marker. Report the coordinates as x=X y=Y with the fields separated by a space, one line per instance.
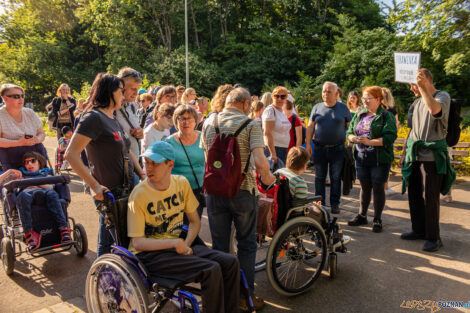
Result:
x=453 y=125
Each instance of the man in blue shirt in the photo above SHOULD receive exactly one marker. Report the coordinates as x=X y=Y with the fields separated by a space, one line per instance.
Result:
x=328 y=122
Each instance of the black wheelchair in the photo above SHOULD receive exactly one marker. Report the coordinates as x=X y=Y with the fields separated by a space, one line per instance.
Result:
x=119 y=282
x=11 y=233
x=301 y=241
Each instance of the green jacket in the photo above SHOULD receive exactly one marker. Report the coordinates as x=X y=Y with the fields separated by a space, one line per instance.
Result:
x=382 y=126
x=441 y=157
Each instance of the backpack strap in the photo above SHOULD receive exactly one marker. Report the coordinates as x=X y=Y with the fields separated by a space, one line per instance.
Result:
x=294 y=119
x=245 y=124
x=216 y=123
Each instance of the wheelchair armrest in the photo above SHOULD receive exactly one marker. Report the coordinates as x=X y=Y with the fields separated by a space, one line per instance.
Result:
x=23 y=183
x=301 y=202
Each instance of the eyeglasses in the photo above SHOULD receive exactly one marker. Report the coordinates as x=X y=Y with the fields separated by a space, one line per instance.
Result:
x=32 y=161
x=367 y=99
x=280 y=96
x=15 y=96
x=185 y=120
x=134 y=74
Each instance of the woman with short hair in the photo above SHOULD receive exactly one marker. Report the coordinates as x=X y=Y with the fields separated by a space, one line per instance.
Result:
x=373 y=131
x=107 y=147
x=189 y=156
x=19 y=126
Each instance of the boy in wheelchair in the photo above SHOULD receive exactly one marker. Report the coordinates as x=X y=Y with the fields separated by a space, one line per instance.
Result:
x=296 y=164
x=34 y=165
x=154 y=222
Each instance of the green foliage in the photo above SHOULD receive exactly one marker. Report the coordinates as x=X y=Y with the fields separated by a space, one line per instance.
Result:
x=440 y=30
x=466 y=121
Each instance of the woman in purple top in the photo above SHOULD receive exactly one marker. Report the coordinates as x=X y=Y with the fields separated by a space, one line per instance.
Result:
x=373 y=131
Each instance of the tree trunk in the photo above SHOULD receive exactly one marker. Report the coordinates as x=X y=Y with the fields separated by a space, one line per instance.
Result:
x=196 y=37
x=209 y=19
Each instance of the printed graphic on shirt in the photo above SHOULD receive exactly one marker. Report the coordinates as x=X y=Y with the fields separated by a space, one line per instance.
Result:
x=159 y=214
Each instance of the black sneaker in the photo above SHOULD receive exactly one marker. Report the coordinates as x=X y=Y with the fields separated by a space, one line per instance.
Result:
x=377 y=228
x=412 y=236
x=432 y=245
x=334 y=209
x=358 y=220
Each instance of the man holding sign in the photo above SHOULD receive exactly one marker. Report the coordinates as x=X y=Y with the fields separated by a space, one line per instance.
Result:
x=426 y=149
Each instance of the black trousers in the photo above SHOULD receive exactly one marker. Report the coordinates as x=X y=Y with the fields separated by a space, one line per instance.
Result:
x=424 y=210
x=218 y=273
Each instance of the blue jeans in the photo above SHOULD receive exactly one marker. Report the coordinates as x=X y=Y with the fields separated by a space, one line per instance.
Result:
x=25 y=199
x=332 y=158
x=243 y=211
x=106 y=237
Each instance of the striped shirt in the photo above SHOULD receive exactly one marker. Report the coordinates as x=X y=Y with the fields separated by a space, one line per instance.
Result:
x=251 y=137
x=297 y=185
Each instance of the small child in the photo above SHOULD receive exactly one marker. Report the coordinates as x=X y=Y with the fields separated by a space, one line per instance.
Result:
x=63 y=144
x=296 y=164
x=34 y=165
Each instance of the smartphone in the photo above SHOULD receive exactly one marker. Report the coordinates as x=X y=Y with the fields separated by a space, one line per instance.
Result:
x=28 y=136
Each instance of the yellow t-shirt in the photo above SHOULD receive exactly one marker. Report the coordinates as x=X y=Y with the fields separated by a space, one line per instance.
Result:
x=159 y=214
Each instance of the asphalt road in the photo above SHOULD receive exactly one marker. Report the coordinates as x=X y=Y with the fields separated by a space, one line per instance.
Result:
x=378 y=273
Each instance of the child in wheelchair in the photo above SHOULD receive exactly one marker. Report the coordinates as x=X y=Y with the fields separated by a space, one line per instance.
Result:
x=34 y=165
x=296 y=164
x=154 y=222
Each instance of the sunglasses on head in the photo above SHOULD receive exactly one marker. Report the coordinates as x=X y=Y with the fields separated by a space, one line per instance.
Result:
x=32 y=161
x=15 y=96
x=133 y=74
x=280 y=96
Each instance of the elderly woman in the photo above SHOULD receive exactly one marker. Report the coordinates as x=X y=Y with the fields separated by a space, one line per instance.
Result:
x=276 y=126
x=188 y=95
x=107 y=147
x=63 y=106
x=373 y=131
x=189 y=156
x=159 y=130
x=218 y=101
x=19 y=126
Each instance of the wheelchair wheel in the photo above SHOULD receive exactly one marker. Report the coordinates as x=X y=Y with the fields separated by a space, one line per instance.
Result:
x=296 y=256
x=8 y=256
x=333 y=265
x=81 y=240
x=112 y=285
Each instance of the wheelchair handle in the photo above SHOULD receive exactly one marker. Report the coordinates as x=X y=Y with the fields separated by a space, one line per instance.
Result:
x=110 y=196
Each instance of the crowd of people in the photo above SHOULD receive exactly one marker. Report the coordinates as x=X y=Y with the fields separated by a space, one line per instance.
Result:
x=153 y=145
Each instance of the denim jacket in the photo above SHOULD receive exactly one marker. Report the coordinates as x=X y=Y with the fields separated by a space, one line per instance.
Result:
x=382 y=126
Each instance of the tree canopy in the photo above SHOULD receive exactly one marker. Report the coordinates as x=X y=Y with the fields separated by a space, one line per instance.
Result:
x=258 y=43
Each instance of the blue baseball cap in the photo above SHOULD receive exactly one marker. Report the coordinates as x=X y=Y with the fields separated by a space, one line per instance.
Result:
x=141 y=91
x=159 y=151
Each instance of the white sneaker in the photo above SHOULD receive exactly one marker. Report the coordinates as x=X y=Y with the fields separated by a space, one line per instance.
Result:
x=390 y=192
x=447 y=198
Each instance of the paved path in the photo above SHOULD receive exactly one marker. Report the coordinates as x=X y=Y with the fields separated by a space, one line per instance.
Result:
x=379 y=272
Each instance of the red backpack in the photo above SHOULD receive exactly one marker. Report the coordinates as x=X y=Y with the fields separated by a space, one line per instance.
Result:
x=223 y=175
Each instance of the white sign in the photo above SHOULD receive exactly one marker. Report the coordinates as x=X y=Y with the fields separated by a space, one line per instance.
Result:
x=406 y=66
